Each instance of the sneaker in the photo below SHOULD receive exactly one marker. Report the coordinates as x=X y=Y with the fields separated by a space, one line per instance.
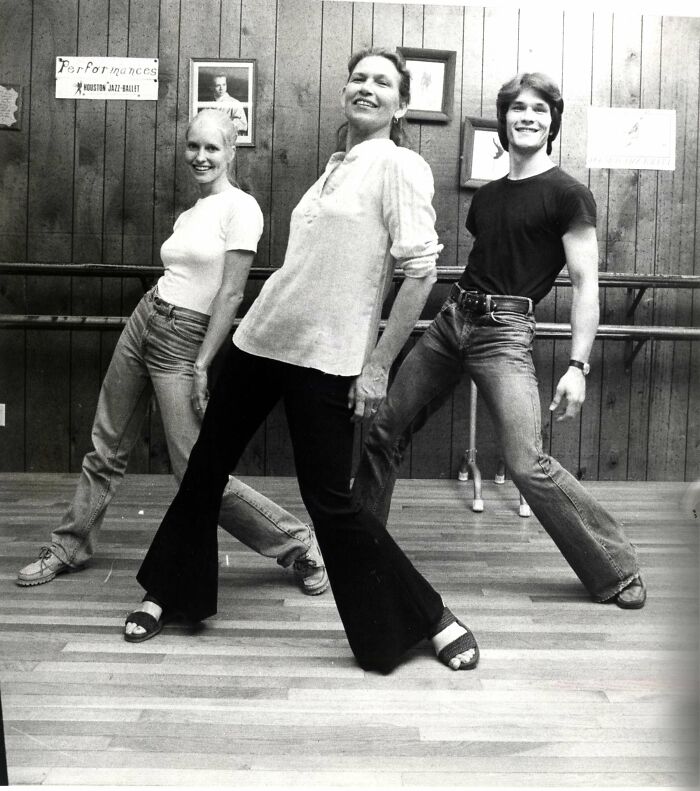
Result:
x=310 y=571
x=42 y=570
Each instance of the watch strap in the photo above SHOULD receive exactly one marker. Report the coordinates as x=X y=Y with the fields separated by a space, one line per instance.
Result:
x=585 y=367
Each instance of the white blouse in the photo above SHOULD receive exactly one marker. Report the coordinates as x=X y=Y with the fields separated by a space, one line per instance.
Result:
x=370 y=209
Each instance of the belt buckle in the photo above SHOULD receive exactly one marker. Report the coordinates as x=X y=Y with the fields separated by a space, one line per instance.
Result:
x=481 y=302
x=472 y=300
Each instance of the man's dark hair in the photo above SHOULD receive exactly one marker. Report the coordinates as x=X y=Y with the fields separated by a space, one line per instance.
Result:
x=541 y=84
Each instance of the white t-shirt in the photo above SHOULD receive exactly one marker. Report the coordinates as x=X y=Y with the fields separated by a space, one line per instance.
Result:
x=370 y=211
x=194 y=255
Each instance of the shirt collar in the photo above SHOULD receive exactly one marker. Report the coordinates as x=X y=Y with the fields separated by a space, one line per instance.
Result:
x=371 y=147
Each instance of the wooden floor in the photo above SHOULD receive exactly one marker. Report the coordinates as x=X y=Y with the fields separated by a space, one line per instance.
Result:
x=568 y=693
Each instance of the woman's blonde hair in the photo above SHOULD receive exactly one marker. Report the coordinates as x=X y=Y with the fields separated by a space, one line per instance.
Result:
x=228 y=131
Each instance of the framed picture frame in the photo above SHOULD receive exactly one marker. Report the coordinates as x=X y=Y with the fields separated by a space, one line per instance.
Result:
x=432 y=83
x=483 y=157
x=227 y=84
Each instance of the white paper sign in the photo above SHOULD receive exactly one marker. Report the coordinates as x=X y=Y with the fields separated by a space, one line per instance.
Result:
x=106 y=78
x=9 y=107
x=621 y=137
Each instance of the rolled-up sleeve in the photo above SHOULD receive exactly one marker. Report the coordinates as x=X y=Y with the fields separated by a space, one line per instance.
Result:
x=409 y=215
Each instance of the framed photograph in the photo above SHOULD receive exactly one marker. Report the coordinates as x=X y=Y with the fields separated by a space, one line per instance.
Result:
x=483 y=157
x=227 y=85
x=432 y=83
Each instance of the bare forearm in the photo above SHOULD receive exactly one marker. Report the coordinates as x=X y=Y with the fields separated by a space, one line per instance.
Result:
x=405 y=312
x=224 y=310
x=585 y=314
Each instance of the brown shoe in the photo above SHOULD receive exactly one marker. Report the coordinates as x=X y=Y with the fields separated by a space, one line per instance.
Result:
x=633 y=597
x=42 y=570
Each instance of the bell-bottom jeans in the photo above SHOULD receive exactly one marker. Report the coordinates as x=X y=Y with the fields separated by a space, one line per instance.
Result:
x=386 y=606
x=495 y=349
x=155 y=354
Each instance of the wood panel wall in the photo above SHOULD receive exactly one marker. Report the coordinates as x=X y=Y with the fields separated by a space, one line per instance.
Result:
x=102 y=182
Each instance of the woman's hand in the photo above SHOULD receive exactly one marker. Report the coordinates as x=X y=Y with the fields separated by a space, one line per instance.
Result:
x=200 y=391
x=368 y=391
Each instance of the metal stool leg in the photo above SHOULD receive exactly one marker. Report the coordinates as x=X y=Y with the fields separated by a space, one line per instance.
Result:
x=469 y=466
x=500 y=476
x=524 y=509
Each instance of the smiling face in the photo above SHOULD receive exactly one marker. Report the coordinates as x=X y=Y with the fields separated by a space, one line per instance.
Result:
x=207 y=154
x=528 y=122
x=371 y=98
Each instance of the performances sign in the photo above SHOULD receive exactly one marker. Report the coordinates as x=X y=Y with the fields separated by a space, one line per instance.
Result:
x=106 y=78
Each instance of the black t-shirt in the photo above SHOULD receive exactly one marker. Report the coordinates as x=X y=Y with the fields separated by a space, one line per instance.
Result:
x=518 y=228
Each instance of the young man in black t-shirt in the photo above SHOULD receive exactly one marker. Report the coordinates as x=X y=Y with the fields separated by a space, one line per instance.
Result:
x=526 y=227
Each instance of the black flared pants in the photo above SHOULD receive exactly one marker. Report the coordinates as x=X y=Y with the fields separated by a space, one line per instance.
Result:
x=385 y=605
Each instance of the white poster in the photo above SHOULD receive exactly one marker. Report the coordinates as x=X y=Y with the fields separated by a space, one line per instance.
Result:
x=621 y=137
x=106 y=78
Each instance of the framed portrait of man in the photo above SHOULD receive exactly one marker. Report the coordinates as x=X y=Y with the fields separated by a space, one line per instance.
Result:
x=227 y=85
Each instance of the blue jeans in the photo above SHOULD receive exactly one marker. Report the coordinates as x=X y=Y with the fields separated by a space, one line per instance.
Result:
x=155 y=354
x=495 y=349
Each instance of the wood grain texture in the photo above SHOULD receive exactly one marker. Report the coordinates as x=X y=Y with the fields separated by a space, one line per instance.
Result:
x=622 y=225
x=267 y=693
x=104 y=181
x=675 y=220
x=576 y=83
x=15 y=44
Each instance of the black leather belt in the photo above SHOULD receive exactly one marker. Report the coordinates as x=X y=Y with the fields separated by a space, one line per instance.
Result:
x=478 y=302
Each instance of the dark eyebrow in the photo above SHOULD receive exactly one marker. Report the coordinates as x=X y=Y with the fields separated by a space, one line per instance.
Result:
x=537 y=103
x=378 y=76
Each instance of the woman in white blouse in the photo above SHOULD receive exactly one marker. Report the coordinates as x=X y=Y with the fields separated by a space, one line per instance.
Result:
x=310 y=339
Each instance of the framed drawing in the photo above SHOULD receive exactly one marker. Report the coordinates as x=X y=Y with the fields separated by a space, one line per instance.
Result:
x=483 y=157
x=229 y=85
x=432 y=83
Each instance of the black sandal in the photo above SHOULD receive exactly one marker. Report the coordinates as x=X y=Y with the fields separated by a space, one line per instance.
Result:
x=150 y=623
x=459 y=645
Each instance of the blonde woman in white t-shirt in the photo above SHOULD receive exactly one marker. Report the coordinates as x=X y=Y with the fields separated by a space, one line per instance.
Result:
x=166 y=349
x=310 y=340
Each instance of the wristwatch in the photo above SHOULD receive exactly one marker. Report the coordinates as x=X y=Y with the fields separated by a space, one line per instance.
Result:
x=585 y=367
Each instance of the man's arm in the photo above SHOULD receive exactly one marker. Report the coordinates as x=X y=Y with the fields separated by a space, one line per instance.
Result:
x=581 y=248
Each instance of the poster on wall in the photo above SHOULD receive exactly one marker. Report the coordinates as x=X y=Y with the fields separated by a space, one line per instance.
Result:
x=106 y=78
x=228 y=85
x=623 y=137
x=10 y=107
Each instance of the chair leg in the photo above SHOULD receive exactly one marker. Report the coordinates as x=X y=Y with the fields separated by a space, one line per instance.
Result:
x=468 y=465
x=469 y=468
x=500 y=476
x=524 y=509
